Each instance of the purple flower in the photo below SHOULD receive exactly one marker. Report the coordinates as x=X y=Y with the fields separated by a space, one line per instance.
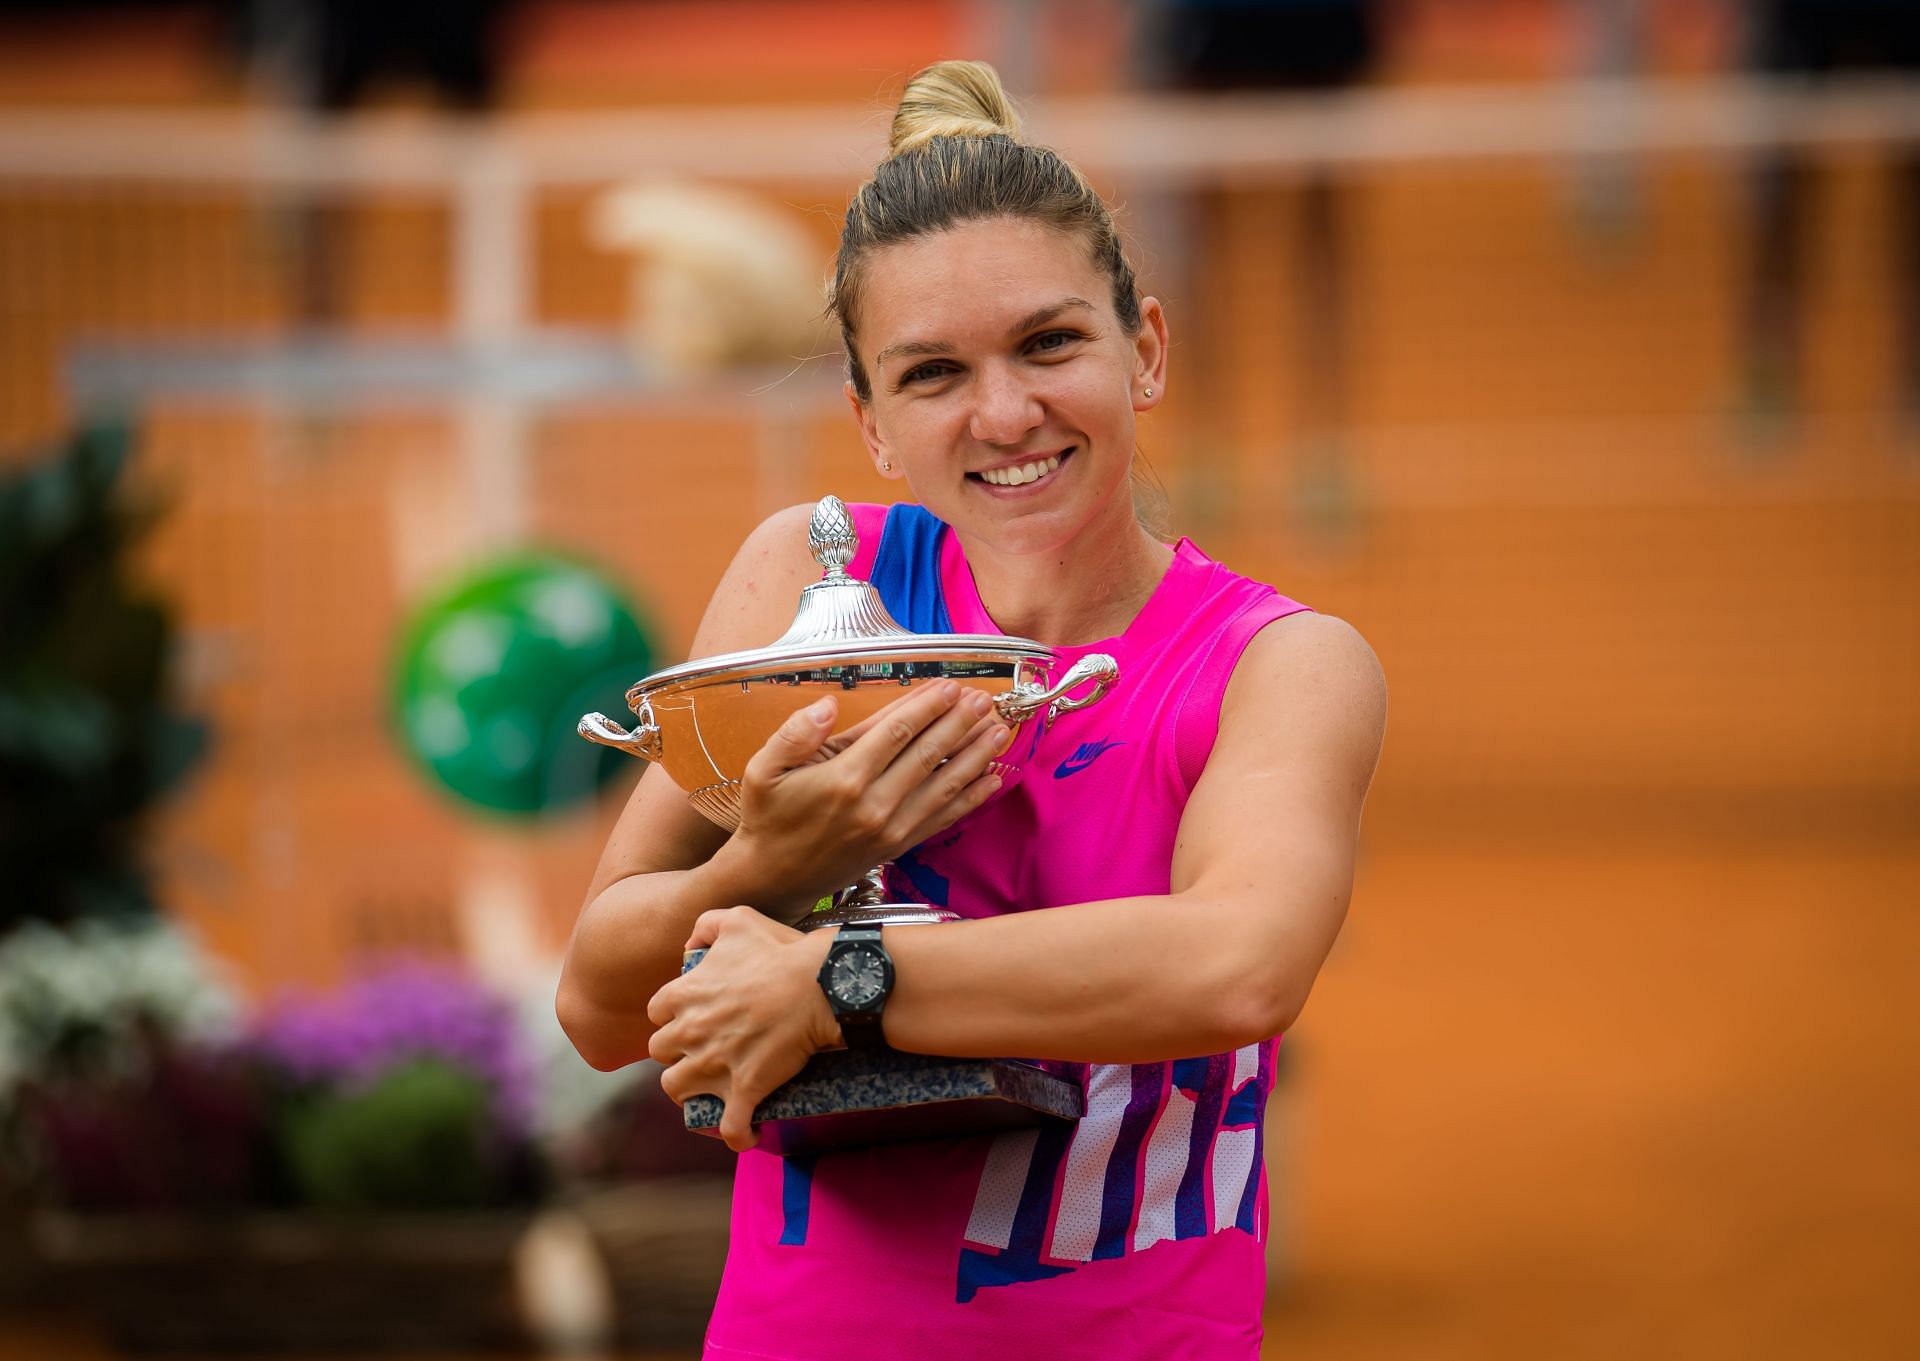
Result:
x=396 y=1010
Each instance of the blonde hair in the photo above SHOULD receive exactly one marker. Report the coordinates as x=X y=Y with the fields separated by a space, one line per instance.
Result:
x=954 y=156
x=952 y=99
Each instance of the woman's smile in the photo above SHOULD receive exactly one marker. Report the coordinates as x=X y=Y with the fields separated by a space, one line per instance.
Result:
x=1022 y=476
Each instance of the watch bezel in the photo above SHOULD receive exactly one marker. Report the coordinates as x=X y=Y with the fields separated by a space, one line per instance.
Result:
x=839 y=950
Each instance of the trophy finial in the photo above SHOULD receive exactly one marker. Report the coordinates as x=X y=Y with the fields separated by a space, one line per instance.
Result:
x=832 y=537
x=839 y=607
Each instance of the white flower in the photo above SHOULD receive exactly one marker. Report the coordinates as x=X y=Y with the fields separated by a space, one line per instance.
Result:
x=97 y=982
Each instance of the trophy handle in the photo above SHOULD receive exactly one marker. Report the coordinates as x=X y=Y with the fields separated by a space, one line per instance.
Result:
x=643 y=741
x=1017 y=706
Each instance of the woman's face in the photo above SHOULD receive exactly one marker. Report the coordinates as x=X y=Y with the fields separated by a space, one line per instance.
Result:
x=1004 y=388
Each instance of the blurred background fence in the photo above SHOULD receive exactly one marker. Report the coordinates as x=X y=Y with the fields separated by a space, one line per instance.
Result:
x=1569 y=356
x=1612 y=586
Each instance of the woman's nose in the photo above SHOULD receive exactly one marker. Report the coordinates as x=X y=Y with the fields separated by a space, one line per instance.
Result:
x=1005 y=408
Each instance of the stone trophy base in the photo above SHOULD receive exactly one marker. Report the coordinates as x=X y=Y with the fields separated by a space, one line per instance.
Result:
x=846 y=1098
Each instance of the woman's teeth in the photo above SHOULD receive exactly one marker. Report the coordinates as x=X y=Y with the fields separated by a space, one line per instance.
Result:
x=1021 y=475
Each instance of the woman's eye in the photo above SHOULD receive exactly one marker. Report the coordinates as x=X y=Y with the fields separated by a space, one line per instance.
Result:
x=1050 y=341
x=923 y=373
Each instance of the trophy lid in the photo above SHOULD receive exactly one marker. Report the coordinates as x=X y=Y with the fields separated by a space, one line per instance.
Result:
x=841 y=621
x=838 y=608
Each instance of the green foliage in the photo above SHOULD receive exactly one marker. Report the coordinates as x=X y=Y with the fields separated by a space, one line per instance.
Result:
x=88 y=740
x=420 y=1137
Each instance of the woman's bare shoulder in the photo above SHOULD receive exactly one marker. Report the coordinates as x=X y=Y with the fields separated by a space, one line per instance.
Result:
x=757 y=595
x=1312 y=636
x=1313 y=670
x=1301 y=729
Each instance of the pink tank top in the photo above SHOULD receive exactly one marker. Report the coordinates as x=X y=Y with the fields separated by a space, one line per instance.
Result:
x=1138 y=1232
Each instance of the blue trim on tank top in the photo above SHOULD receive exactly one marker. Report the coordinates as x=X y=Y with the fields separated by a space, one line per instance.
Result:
x=796 y=1198
x=906 y=570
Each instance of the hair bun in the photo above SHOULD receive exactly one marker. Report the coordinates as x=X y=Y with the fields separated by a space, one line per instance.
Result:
x=952 y=99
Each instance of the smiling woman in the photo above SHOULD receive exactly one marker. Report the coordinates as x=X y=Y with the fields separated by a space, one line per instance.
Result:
x=1153 y=898
x=1007 y=400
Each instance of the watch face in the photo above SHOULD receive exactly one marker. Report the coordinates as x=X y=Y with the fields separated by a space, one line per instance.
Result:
x=858 y=977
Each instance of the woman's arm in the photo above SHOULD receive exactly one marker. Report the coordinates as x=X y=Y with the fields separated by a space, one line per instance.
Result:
x=656 y=875
x=1262 y=874
x=808 y=824
x=1262 y=870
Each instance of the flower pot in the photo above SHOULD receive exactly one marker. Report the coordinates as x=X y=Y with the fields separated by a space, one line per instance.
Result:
x=289 y=1282
x=663 y=1241
x=21 y=1286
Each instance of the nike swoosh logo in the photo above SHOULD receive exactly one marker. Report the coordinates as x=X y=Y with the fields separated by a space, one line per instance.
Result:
x=1085 y=755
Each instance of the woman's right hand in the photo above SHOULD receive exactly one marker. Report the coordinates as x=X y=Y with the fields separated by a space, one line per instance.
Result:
x=819 y=809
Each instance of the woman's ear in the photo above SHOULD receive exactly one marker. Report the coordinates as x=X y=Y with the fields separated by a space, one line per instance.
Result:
x=1150 y=356
x=870 y=432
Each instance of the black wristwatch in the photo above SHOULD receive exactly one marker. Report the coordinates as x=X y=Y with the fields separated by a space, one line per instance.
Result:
x=857 y=979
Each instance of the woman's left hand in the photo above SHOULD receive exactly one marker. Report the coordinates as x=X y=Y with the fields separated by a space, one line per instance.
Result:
x=745 y=1019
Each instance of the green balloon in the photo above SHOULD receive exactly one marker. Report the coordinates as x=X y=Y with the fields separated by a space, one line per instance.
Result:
x=494 y=673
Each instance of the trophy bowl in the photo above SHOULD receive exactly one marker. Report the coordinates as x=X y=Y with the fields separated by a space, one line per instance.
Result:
x=703 y=720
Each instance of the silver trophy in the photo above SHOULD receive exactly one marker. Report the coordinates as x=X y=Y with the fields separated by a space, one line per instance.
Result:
x=705 y=719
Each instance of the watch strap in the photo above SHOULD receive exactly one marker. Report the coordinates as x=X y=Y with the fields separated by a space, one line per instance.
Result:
x=863 y=1031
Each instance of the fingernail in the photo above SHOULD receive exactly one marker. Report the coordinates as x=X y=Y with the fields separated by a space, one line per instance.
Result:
x=978 y=703
x=820 y=711
x=949 y=690
x=1002 y=738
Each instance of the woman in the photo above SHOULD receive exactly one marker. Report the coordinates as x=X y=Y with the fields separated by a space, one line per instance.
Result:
x=1192 y=837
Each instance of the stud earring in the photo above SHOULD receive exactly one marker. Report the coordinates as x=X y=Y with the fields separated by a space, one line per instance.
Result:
x=1149 y=392
x=886 y=465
